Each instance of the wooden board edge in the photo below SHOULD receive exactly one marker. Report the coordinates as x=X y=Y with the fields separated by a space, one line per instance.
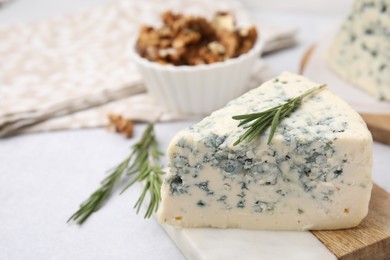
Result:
x=376 y=225
x=379 y=126
x=306 y=57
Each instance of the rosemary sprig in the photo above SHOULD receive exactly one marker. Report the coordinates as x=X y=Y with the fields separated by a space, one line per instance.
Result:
x=270 y=117
x=149 y=170
x=142 y=162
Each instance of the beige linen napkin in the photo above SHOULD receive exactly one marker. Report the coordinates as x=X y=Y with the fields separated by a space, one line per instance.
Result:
x=72 y=71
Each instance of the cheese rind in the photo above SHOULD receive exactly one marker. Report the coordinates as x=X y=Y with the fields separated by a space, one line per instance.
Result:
x=360 y=52
x=315 y=174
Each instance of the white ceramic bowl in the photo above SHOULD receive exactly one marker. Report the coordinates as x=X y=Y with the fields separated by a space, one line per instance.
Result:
x=200 y=89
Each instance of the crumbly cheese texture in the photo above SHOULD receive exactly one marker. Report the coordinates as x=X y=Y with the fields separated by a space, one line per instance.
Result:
x=360 y=52
x=315 y=173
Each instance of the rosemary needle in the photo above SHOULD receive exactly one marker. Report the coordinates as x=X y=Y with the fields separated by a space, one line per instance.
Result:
x=271 y=117
x=143 y=162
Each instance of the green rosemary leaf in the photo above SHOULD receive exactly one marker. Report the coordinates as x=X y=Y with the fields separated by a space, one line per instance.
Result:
x=274 y=124
x=256 y=123
x=143 y=162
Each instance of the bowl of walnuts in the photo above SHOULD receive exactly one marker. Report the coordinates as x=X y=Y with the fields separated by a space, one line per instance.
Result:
x=193 y=66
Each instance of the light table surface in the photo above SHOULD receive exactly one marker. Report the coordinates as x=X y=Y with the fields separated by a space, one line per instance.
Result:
x=44 y=177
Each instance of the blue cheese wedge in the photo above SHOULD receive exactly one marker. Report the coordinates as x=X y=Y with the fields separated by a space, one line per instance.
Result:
x=315 y=173
x=360 y=52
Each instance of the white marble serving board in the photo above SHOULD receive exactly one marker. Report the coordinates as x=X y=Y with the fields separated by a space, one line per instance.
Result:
x=233 y=244
x=318 y=70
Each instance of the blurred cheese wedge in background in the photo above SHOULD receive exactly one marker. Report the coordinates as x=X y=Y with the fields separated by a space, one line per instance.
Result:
x=360 y=52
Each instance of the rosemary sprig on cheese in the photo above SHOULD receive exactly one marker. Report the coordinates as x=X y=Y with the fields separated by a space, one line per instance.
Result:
x=143 y=162
x=269 y=118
